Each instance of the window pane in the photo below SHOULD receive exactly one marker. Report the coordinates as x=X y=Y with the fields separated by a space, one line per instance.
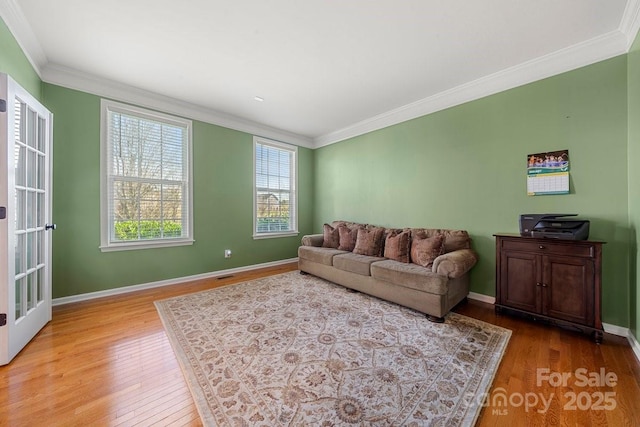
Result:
x=148 y=164
x=274 y=183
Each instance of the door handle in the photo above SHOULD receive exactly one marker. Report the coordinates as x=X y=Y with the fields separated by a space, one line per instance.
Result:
x=50 y=226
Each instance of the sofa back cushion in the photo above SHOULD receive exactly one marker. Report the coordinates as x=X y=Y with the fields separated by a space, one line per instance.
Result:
x=369 y=241
x=453 y=239
x=397 y=245
x=424 y=249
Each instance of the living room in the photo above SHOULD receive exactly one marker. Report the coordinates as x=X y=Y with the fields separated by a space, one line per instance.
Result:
x=461 y=167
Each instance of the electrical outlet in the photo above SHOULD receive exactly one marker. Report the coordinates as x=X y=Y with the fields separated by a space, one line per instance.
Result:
x=227 y=253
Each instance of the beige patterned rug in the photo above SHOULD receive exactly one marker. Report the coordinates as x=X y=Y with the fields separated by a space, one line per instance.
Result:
x=291 y=350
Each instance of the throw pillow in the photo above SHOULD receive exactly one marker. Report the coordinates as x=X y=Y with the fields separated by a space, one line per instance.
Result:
x=348 y=236
x=331 y=237
x=369 y=241
x=424 y=250
x=397 y=245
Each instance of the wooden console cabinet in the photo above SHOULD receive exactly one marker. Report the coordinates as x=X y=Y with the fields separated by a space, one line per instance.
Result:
x=556 y=280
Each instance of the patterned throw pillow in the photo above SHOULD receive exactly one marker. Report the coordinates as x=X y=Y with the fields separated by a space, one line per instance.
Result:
x=348 y=236
x=331 y=237
x=424 y=250
x=397 y=245
x=369 y=241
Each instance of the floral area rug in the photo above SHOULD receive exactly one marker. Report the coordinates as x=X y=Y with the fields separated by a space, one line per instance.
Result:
x=291 y=350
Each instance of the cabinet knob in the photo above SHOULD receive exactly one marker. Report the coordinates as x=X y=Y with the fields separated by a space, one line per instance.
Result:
x=544 y=285
x=541 y=247
x=538 y=284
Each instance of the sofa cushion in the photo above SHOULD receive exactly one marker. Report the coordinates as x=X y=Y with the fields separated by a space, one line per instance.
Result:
x=453 y=239
x=359 y=264
x=331 y=237
x=348 y=235
x=424 y=250
x=410 y=276
x=319 y=255
x=397 y=245
x=369 y=241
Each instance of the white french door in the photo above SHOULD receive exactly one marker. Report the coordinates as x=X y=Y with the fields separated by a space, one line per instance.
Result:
x=25 y=209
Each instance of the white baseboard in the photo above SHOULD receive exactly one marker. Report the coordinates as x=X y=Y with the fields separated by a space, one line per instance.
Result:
x=608 y=328
x=482 y=298
x=160 y=283
x=635 y=345
x=615 y=330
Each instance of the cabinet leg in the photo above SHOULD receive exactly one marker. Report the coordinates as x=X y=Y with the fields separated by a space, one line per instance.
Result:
x=497 y=309
x=598 y=337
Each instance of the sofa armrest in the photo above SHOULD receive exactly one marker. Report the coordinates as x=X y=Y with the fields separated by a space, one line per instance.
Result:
x=313 y=240
x=455 y=264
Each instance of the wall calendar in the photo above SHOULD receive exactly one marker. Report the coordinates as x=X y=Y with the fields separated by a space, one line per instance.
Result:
x=548 y=173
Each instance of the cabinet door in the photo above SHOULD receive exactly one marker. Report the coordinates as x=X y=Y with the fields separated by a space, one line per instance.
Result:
x=568 y=289
x=519 y=274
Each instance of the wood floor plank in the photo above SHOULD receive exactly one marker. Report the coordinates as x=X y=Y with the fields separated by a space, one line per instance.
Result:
x=108 y=362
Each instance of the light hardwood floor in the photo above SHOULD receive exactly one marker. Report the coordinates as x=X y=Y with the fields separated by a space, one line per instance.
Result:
x=108 y=362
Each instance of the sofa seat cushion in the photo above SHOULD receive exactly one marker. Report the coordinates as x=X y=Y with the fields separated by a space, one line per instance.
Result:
x=319 y=255
x=410 y=276
x=354 y=263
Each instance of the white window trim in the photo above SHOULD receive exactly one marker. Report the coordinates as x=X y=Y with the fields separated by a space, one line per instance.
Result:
x=277 y=144
x=105 y=244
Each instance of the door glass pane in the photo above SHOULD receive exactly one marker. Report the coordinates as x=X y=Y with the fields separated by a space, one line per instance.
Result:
x=20 y=261
x=31 y=209
x=31 y=168
x=41 y=134
x=32 y=123
x=19 y=125
x=20 y=165
x=40 y=172
x=31 y=294
x=31 y=248
x=40 y=285
x=19 y=297
x=40 y=245
x=40 y=215
x=20 y=209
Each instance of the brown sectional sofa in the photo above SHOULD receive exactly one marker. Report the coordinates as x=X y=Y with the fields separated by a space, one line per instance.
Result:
x=433 y=288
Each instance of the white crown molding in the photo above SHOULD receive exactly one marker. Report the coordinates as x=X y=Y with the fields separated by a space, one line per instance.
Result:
x=598 y=49
x=576 y=56
x=73 y=79
x=630 y=22
x=16 y=22
x=127 y=289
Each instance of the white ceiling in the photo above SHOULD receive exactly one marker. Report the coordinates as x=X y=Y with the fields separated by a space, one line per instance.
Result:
x=327 y=69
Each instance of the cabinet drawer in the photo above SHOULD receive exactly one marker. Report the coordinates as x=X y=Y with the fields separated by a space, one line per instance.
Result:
x=550 y=247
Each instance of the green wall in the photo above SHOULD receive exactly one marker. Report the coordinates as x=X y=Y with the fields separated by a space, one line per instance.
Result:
x=14 y=63
x=634 y=183
x=458 y=168
x=465 y=167
x=222 y=193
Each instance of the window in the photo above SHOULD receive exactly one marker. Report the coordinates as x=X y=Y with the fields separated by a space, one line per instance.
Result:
x=146 y=179
x=275 y=194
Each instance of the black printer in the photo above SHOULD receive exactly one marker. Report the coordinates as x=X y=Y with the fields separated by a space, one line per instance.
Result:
x=554 y=226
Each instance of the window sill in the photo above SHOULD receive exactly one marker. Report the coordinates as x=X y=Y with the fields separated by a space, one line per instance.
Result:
x=113 y=247
x=275 y=235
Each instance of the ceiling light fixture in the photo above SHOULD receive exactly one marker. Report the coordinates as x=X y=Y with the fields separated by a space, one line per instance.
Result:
x=258 y=98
